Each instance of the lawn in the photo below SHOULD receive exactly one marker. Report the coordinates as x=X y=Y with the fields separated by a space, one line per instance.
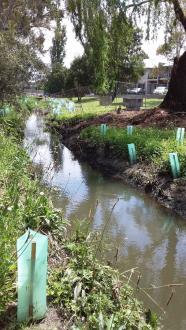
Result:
x=89 y=107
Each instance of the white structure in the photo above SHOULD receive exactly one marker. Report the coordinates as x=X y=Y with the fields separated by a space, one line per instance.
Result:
x=155 y=76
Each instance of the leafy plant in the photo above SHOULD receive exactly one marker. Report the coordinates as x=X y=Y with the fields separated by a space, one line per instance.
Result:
x=22 y=205
x=152 y=145
x=94 y=294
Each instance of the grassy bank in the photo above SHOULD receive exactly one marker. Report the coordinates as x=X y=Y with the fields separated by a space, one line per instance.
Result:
x=89 y=108
x=86 y=294
x=22 y=205
x=152 y=145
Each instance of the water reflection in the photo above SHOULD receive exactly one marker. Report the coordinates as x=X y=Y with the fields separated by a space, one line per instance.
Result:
x=147 y=236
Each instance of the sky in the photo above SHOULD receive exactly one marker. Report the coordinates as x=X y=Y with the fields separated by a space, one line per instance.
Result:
x=74 y=48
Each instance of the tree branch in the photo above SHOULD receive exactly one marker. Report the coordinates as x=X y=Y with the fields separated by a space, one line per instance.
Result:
x=144 y=2
x=179 y=13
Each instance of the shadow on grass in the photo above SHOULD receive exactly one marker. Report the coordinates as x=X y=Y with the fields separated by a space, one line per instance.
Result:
x=87 y=100
x=118 y=103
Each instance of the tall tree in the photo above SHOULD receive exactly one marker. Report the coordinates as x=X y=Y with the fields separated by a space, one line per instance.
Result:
x=58 y=44
x=80 y=73
x=163 y=13
x=157 y=13
x=55 y=81
x=125 y=57
x=107 y=37
x=21 y=40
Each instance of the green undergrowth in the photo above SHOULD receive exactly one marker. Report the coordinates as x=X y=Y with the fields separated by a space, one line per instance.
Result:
x=13 y=120
x=71 y=119
x=92 y=295
x=22 y=205
x=152 y=145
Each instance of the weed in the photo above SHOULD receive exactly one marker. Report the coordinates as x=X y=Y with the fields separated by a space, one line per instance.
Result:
x=22 y=205
x=152 y=145
x=95 y=296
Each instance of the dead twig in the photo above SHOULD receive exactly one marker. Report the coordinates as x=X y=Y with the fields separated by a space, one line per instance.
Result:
x=170 y=298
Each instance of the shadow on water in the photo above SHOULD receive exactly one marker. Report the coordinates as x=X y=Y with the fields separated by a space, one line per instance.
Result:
x=146 y=235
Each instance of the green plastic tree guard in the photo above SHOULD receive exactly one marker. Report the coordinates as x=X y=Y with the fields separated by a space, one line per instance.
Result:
x=130 y=129
x=132 y=153
x=180 y=135
x=103 y=128
x=32 y=250
x=175 y=165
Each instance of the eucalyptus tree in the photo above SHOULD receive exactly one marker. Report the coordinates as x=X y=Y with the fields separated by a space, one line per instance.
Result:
x=111 y=43
x=22 y=25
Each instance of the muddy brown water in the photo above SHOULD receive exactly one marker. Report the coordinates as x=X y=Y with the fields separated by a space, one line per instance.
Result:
x=146 y=235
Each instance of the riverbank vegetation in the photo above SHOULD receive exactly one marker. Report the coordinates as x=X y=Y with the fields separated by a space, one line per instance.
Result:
x=22 y=204
x=86 y=294
x=152 y=145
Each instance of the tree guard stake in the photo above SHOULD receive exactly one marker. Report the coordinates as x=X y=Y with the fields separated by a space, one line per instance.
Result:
x=32 y=250
x=132 y=153
x=175 y=165
x=180 y=135
x=33 y=259
x=130 y=129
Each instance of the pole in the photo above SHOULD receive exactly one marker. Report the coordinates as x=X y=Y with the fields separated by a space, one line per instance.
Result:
x=32 y=272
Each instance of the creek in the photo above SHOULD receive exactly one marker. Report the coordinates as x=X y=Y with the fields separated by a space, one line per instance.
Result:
x=142 y=234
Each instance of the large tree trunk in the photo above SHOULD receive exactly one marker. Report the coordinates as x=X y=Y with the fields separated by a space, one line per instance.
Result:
x=175 y=100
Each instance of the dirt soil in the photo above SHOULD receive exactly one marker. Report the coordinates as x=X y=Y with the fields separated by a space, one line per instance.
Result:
x=145 y=118
x=170 y=193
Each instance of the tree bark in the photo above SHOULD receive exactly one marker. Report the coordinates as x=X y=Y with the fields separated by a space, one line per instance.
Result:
x=175 y=100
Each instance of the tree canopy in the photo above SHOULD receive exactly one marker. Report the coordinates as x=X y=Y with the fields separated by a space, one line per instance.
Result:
x=58 y=44
x=111 y=42
x=21 y=41
x=55 y=80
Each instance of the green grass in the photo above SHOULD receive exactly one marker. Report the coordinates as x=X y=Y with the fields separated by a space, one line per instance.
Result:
x=151 y=103
x=90 y=108
x=152 y=145
x=21 y=205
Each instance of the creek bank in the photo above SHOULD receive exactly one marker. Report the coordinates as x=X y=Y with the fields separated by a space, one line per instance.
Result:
x=159 y=184
x=157 y=118
x=80 y=289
